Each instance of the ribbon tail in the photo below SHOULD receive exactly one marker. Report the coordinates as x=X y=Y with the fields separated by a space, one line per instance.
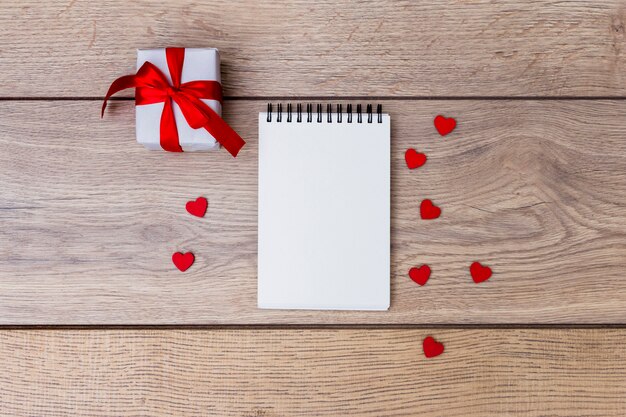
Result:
x=230 y=140
x=122 y=83
x=199 y=115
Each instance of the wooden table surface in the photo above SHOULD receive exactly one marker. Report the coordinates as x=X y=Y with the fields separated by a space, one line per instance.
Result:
x=95 y=321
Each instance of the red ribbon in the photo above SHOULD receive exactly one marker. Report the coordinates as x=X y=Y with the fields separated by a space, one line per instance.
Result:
x=151 y=86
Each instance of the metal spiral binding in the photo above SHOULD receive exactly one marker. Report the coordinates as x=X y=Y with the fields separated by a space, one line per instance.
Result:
x=329 y=113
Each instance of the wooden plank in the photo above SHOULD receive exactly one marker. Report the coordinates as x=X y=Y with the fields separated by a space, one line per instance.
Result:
x=356 y=372
x=535 y=189
x=330 y=48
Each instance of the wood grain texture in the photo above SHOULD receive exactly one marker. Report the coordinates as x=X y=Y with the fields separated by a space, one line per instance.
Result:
x=535 y=189
x=330 y=48
x=349 y=372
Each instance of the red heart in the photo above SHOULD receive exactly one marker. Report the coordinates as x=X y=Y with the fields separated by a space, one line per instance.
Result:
x=414 y=159
x=479 y=272
x=198 y=207
x=420 y=275
x=431 y=347
x=444 y=125
x=428 y=210
x=183 y=260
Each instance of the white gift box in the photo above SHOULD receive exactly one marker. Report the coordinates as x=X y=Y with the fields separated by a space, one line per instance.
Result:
x=199 y=64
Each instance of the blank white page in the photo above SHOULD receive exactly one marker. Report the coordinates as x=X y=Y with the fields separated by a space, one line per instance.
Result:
x=324 y=213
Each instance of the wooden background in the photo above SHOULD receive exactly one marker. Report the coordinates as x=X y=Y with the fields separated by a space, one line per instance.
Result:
x=532 y=182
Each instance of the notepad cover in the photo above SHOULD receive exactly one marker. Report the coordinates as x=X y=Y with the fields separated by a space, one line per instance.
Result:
x=324 y=214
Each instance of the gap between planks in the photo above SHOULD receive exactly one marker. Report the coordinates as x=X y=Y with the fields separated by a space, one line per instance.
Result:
x=347 y=98
x=354 y=326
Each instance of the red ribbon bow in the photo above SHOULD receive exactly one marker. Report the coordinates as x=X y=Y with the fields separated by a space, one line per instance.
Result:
x=151 y=86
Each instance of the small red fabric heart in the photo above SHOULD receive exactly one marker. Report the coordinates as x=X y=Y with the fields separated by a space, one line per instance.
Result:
x=479 y=272
x=428 y=210
x=183 y=260
x=431 y=347
x=420 y=275
x=414 y=159
x=198 y=207
x=444 y=125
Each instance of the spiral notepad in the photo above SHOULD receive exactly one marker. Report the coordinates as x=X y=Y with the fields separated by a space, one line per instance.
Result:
x=324 y=208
